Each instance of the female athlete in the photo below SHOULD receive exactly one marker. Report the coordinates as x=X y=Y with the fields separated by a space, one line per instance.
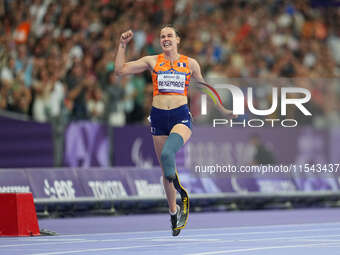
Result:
x=170 y=117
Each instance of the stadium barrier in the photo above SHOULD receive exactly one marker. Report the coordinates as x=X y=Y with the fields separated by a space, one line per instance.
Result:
x=65 y=189
x=91 y=149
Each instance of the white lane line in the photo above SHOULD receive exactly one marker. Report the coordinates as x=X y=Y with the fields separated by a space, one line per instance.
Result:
x=165 y=239
x=260 y=249
x=195 y=229
x=74 y=242
x=320 y=240
x=207 y=229
x=292 y=238
x=52 y=238
x=149 y=238
x=331 y=245
x=177 y=240
x=103 y=249
x=266 y=232
x=288 y=238
x=45 y=243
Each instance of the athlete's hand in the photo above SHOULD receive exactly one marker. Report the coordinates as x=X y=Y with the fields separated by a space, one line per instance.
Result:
x=126 y=37
x=230 y=114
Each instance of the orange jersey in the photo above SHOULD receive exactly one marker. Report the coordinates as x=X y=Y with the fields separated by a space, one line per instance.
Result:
x=171 y=80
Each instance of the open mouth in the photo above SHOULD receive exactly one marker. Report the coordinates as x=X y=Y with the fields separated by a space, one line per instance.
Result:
x=166 y=44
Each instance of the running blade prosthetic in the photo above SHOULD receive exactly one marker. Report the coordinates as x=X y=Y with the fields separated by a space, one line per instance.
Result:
x=182 y=221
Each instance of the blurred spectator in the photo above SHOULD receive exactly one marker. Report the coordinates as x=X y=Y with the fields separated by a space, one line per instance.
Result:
x=42 y=89
x=57 y=96
x=49 y=93
x=136 y=90
x=77 y=87
x=19 y=98
x=94 y=100
x=24 y=65
x=7 y=72
x=115 y=94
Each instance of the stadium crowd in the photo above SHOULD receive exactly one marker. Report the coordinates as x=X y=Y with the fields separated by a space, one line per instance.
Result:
x=57 y=57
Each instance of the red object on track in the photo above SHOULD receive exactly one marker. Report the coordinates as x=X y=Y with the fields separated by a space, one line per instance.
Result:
x=17 y=215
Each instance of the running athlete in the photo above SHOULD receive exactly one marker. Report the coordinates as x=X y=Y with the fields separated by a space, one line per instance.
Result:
x=170 y=117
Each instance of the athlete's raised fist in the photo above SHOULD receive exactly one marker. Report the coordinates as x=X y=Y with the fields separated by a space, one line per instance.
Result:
x=126 y=37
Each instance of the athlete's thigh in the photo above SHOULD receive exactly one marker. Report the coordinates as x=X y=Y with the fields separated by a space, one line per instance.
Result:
x=158 y=142
x=183 y=131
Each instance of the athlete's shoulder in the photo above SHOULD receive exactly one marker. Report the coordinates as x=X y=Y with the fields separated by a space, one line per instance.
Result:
x=193 y=64
x=192 y=61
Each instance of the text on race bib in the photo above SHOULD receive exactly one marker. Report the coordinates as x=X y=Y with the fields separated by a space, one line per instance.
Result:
x=171 y=83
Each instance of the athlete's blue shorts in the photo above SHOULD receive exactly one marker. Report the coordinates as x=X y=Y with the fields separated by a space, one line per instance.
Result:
x=162 y=121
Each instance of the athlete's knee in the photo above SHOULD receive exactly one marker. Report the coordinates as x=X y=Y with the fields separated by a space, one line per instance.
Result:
x=168 y=158
x=167 y=181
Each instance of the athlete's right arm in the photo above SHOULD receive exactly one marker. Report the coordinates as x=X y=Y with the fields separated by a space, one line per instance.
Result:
x=123 y=68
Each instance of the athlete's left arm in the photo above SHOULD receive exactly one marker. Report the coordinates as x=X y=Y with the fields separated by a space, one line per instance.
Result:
x=197 y=75
x=195 y=70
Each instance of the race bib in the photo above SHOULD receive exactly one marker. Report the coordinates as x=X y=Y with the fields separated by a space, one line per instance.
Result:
x=174 y=83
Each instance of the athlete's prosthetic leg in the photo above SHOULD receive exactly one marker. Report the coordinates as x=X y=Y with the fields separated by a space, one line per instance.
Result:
x=168 y=160
x=180 y=218
x=183 y=218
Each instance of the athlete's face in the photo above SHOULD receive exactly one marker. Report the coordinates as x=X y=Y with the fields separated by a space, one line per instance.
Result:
x=169 y=39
